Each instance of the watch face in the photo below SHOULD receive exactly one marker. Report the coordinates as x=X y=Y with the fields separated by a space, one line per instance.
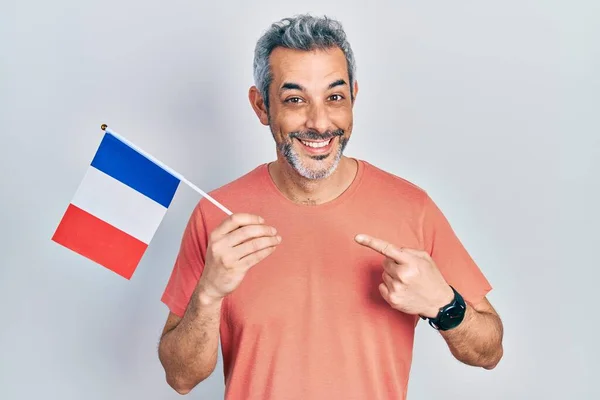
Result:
x=452 y=317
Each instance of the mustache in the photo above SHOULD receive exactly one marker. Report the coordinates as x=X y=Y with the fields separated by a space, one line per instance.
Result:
x=313 y=135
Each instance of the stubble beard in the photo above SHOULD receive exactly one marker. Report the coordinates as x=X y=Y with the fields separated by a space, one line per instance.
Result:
x=295 y=160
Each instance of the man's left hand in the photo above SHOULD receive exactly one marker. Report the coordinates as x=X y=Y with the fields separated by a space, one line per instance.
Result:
x=412 y=283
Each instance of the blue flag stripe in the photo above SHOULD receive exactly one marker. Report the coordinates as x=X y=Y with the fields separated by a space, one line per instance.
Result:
x=126 y=165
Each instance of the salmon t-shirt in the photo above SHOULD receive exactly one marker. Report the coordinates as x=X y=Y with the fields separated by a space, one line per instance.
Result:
x=308 y=322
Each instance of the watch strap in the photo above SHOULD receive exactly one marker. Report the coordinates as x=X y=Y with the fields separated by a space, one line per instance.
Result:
x=456 y=308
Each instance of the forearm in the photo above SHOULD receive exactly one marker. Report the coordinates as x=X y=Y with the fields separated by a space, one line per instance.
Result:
x=477 y=341
x=189 y=351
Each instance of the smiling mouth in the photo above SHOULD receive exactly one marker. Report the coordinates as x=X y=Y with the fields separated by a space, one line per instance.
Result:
x=316 y=144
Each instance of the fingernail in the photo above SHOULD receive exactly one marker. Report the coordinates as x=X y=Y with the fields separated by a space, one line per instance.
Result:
x=359 y=238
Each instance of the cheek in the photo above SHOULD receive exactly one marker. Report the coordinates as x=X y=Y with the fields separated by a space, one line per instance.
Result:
x=342 y=118
x=290 y=121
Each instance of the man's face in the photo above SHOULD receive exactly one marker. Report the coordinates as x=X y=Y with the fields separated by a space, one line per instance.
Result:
x=310 y=109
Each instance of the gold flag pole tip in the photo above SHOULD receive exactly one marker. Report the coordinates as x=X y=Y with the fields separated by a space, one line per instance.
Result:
x=103 y=127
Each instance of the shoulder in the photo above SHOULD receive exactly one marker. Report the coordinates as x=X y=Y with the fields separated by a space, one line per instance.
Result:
x=382 y=183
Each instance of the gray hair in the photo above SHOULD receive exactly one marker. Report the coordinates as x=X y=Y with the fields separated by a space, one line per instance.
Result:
x=303 y=32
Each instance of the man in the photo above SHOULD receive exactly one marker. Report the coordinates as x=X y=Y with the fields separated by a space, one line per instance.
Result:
x=316 y=284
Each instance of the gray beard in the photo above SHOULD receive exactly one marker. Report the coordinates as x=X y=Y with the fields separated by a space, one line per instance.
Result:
x=294 y=159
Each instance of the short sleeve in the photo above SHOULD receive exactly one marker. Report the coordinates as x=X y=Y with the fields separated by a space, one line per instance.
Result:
x=451 y=257
x=189 y=264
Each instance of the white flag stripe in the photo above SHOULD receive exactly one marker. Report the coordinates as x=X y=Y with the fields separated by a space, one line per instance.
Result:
x=119 y=205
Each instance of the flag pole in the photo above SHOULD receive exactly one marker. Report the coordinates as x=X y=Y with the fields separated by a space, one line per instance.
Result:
x=105 y=128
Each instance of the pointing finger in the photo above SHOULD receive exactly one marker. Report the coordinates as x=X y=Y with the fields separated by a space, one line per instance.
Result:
x=383 y=247
x=417 y=253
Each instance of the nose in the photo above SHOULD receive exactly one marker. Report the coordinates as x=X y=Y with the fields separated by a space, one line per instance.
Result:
x=318 y=119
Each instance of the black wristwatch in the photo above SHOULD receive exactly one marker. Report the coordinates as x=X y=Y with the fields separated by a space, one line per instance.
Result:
x=451 y=315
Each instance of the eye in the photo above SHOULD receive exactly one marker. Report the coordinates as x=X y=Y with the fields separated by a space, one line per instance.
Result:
x=293 y=100
x=336 y=97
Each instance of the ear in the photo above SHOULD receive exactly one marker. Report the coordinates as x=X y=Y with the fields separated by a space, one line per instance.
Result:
x=258 y=105
x=355 y=93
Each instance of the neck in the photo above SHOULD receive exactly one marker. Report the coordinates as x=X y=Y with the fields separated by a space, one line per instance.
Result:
x=312 y=192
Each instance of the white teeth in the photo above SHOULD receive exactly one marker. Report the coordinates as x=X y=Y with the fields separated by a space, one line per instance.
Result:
x=316 y=145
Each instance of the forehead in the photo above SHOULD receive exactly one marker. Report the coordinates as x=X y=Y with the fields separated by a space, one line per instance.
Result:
x=300 y=66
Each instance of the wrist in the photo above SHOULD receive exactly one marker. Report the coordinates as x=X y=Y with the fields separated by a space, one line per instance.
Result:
x=443 y=297
x=205 y=298
x=450 y=315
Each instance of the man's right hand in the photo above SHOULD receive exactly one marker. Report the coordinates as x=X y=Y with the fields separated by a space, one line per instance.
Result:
x=236 y=245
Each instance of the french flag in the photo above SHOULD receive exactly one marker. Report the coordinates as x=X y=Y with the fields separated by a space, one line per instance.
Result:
x=117 y=207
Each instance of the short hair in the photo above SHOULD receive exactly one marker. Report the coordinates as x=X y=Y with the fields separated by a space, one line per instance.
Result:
x=302 y=32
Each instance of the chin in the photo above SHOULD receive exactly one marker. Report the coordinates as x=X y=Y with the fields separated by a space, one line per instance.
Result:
x=315 y=173
x=315 y=167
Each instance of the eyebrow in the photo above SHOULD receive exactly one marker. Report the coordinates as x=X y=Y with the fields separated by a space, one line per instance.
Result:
x=295 y=86
x=291 y=86
x=339 y=82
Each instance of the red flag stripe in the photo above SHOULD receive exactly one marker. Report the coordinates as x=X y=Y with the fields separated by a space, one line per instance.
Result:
x=99 y=241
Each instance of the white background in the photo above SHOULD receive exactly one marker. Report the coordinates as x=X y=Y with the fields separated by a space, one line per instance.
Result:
x=492 y=107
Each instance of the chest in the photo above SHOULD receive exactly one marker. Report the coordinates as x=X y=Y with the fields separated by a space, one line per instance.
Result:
x=318 y=275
